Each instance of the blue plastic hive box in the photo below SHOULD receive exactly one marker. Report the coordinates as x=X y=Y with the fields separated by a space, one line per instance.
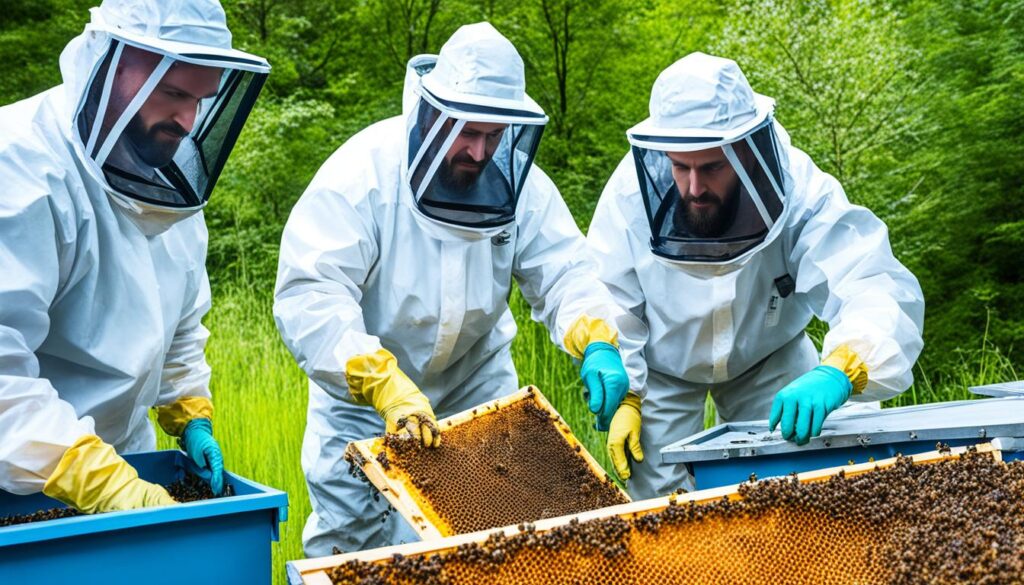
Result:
x=224 y=540
x=728 y=453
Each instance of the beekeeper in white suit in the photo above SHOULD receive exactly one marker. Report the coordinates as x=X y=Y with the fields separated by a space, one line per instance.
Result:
x=725 y=240
x=103 y=249
x=397 y=265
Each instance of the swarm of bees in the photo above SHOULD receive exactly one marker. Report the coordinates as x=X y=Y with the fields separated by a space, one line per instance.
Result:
x=955 y=521
x=510 y=466
x=193 y=489
x=188 y=489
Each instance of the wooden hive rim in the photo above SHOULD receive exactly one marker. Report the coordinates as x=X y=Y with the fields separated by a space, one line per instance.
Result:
x=406 y=498
x=315 y=571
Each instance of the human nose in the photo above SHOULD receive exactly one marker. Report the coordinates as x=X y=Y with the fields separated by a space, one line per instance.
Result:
x=696 y=183
x=186 y=116
x=477 y=148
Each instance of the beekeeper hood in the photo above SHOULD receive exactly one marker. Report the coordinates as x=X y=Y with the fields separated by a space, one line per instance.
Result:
x=709 y=164
x=472 y=130
x=157 y=98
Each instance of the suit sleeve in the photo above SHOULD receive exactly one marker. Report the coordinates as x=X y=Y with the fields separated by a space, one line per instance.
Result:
x=556 y=273
x=327 y=250
x=612 y=246
x=846 y=270
x=36 y=425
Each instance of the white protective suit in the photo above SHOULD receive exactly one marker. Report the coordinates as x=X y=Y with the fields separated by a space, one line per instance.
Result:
x=736 y=327
x=98 y=321
x=362 y=269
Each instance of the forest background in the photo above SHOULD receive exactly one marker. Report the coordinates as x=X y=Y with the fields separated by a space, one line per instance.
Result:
x=915 y=106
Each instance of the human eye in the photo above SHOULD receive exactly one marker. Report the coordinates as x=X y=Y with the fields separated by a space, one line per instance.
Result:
x=175 y=94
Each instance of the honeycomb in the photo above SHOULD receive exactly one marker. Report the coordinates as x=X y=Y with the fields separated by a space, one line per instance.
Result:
x=960 y=520
x=512 y=465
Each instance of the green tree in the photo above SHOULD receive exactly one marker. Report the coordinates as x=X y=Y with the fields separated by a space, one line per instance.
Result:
x=964 y=229
x=842 y=73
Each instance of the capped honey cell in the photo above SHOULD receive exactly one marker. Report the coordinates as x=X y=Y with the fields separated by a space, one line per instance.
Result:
x=508 y=463
x=955 y=520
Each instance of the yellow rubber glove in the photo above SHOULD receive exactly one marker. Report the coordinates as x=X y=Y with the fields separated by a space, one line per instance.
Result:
x=846 y=361
x=625 y=430
x=92 y=477
x=375 y=379
x=174 y=417
x=604 y=376
x=191 y=419
x=586 y=330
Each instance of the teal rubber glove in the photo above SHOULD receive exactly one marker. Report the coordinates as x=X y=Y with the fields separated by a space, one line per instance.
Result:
x=802 y=406
x=605 y=379
x=198 y=442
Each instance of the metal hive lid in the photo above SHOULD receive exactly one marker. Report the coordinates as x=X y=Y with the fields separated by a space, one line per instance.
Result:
x=964 y=419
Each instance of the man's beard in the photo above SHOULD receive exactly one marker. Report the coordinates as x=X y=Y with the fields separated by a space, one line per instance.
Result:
x=458 y=179
x=154 y=147
x=712 y=221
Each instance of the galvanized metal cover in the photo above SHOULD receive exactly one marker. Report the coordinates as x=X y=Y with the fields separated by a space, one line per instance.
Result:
x=965 y=419
x=998 y=390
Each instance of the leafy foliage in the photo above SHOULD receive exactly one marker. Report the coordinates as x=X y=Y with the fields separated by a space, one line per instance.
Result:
x=913 y=104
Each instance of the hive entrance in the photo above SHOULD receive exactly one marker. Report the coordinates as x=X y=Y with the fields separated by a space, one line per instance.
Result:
x=936 y=518
x=509 y=461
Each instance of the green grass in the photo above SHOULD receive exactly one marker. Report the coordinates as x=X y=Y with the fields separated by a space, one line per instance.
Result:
x=260 y=400
x=260 y=396
x=985 y=364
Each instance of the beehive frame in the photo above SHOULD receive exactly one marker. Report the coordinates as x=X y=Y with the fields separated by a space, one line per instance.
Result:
x=315 y=571
x=414 y=507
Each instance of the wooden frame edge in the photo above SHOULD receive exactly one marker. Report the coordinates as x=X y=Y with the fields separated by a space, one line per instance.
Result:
x=314 y=571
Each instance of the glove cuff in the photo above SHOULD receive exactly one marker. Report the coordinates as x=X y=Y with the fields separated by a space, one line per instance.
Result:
x=376 y=380
x=632 y=400
x=87 y=471
x=196 y=424
x=597 y=346
x=839 y=378
x=849 y=363
x=365 y=374
x=585 y=331
x=174 y=417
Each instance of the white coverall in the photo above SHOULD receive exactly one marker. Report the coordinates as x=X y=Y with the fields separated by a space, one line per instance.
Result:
x=101 y=294
x=361 y=268
x=98 y=322
x=729 y=330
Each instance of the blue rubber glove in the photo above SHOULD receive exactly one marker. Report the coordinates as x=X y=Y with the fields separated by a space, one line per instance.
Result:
x=198 y=442
x=605 y=379
x=803 y=405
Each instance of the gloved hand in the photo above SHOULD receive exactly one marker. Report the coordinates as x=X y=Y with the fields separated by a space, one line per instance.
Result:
x=91 y=477
x=803 y=405
x=596 y=343
x=198 y=442
x=189 y=418
x=606 y=380
x=375 y=379
x=625 y=430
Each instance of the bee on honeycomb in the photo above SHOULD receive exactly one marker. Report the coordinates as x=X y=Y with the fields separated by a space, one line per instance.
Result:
x=955 y=521
x=507 y=466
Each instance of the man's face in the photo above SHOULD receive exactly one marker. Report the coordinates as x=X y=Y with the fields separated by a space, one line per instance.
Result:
x=469 y=154
x=709 y=189
x=169 y=113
